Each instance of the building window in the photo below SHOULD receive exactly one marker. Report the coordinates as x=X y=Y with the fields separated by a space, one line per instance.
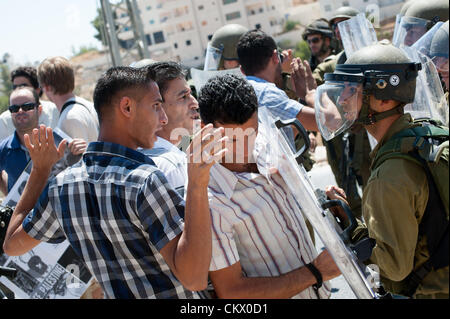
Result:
x=188 y=42
x=175 y=45
x=158 y=36
x=261 y=10
x=258 y=26
x=152 y=21
x=148 y=8
x=201 y=7
x=210 y=37
x=149 y=39
x=345 y=4
x=228 y=1
x=327 y=8
x=233 y=15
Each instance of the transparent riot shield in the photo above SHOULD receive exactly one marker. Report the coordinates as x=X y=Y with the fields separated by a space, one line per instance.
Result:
x=279 y=155
x=356 y=33
x=395 y=36
x=423 y=45
x=429 y=101
x=201 y=77
x=212 y=58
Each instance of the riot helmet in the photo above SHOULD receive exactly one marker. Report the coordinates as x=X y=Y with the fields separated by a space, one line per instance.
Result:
x=319 y=26
x=381 y=70
x=341 y=14
x=223 y=46
x=420 y=17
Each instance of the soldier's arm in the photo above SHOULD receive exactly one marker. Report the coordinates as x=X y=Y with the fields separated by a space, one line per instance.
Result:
x=392 y=203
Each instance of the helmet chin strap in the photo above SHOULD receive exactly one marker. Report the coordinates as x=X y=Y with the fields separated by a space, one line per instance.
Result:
x=367 y=116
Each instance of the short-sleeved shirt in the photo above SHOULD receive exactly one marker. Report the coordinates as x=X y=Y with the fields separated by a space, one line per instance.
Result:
x=13 y=158
x=276 y=100
x=256 y=222
x=80 y=120
x=117 y=211
x=171 y=161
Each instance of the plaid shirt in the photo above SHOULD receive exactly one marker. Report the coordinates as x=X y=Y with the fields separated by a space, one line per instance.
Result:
x=118 y=211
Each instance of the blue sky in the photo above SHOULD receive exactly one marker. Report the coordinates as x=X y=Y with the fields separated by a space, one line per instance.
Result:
x=31 y=30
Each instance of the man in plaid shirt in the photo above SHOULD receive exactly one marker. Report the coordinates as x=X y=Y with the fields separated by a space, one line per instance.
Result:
x=136 y=235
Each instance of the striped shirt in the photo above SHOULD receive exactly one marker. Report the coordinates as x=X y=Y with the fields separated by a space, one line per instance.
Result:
x=118 y=211
x=258 y=223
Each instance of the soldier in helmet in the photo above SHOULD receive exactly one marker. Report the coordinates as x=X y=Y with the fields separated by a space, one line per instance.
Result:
x=439 y=53
x=371 y=89
x=319 y=37
x=419 y=17
x=341 y=14
x=221 y=52
x=348 y=155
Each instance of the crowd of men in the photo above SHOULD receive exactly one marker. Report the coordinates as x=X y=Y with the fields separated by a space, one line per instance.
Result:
x=160 y=197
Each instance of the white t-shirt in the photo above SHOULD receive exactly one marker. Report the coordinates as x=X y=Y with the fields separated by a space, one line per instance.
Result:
x=49 y=117
x=80 y=121
x=170 y=160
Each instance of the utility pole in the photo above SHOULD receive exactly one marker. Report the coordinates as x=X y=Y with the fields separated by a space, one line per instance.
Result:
x=129 y=11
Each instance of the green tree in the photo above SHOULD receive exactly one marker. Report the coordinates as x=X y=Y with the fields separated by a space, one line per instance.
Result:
x=5 y=87
x=290 y=25
x=98 y=24
x=83 y=49
x=302 y=50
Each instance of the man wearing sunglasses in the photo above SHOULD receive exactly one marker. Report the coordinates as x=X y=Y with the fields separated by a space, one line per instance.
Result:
x=318 y=35
x=26 y=76
x=25 y=110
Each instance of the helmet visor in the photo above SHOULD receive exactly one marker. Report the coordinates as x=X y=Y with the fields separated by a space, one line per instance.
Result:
x=409 y=30
x=424 y=44
x=212 y=58
x=337 y=106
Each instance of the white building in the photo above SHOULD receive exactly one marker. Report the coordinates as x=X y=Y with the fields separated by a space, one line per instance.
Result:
x=380 y=9
x=180 y=29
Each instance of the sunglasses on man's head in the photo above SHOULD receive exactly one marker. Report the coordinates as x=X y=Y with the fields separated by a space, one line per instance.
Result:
x=25 y=107
x=313 y=40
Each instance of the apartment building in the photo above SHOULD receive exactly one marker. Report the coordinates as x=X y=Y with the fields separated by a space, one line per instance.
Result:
x=180 y=29
x=380 y=9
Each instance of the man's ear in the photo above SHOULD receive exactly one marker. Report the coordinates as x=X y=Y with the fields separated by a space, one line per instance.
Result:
x=275 y=58
x=126 y=106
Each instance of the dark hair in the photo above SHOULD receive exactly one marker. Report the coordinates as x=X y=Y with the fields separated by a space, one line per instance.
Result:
x=254 y=49
x=28 y=72
x=164 y=72
x=117 y=80
x=227 y=99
